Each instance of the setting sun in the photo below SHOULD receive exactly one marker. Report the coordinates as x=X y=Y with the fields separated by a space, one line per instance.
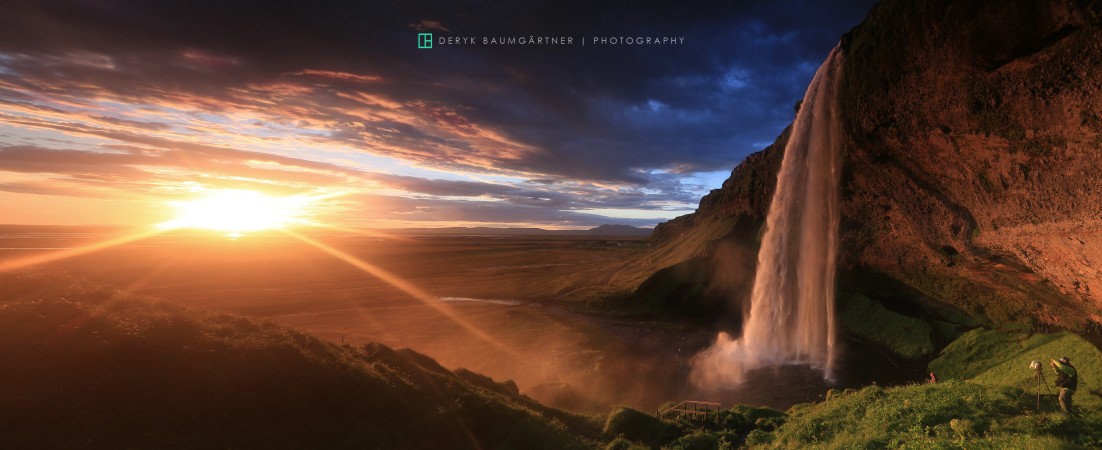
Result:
x=492 y=224
x=236 y=211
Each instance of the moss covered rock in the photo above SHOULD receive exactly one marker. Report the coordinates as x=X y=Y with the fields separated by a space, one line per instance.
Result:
x=638 y=426
x=909 y=337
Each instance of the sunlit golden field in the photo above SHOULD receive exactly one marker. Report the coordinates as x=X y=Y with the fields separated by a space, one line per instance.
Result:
x=531 y=335
x=503 y=306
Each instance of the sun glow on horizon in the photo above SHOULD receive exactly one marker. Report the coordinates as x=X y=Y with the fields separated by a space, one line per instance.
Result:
x=235 y=211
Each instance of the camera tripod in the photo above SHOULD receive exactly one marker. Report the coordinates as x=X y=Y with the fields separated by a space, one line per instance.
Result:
x=1036 y=382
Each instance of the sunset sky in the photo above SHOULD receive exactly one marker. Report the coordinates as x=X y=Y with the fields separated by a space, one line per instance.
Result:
x=111 y=109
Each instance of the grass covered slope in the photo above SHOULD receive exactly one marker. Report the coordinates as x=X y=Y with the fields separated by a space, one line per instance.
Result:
x=952 y=414
x=983 y=401
x=632 y=430
x=87 y=368
x=909 y=337
x=1002 y=359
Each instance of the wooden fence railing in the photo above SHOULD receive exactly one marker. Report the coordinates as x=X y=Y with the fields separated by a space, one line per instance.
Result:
x=695 y=410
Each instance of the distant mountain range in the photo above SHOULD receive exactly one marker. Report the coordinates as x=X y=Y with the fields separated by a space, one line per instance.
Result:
x=606 y=230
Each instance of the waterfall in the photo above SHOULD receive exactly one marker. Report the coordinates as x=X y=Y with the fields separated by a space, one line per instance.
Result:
x=791 y=318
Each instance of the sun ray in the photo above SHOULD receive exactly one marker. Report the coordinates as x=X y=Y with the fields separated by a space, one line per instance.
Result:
x=157 y=270
x=404 y=286
x=351 y=230
x=34 y=260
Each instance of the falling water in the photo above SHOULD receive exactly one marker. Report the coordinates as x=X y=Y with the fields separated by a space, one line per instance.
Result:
x=791 y=319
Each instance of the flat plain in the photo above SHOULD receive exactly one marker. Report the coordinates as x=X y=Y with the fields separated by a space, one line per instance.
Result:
x=497 y=305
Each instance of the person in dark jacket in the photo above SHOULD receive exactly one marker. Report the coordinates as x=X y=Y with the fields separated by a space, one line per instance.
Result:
x=1067 y=379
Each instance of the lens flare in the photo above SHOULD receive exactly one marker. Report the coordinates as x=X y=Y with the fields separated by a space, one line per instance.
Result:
x=410 y=289
x=34 y=260
x=236 y=211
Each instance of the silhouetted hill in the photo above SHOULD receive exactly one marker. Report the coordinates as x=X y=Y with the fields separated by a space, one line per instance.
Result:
x=971 y=181
x=85 y=367
x=618 y=230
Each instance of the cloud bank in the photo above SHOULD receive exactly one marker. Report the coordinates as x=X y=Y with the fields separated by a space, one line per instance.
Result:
x=145 y=100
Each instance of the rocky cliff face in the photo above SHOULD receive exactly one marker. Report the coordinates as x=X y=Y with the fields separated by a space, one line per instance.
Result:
x=973 y=178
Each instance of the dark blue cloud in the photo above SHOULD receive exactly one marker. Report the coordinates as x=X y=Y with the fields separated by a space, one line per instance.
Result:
x=603 y=111
x=598 y=110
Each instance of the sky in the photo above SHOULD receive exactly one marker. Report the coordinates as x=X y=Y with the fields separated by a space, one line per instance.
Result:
x=111 y=110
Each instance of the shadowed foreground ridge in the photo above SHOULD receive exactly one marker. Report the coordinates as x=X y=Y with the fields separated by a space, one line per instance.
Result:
x=87 y=368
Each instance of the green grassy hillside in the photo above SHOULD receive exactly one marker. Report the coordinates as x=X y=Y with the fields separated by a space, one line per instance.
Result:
x=983 y=401
x=950 y=414
x=84 y=367
x=908 y=337
x=1002 y=359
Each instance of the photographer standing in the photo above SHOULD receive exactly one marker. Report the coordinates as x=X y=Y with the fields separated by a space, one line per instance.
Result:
x=1066 y=379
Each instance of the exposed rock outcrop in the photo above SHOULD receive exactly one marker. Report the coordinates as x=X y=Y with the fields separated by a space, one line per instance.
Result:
x=973 y=178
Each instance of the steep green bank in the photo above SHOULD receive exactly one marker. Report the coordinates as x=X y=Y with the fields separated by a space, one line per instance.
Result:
x=949 y=414
x=85 y=367
x=908 y=337
x=984 y=400
x=1002 y=359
